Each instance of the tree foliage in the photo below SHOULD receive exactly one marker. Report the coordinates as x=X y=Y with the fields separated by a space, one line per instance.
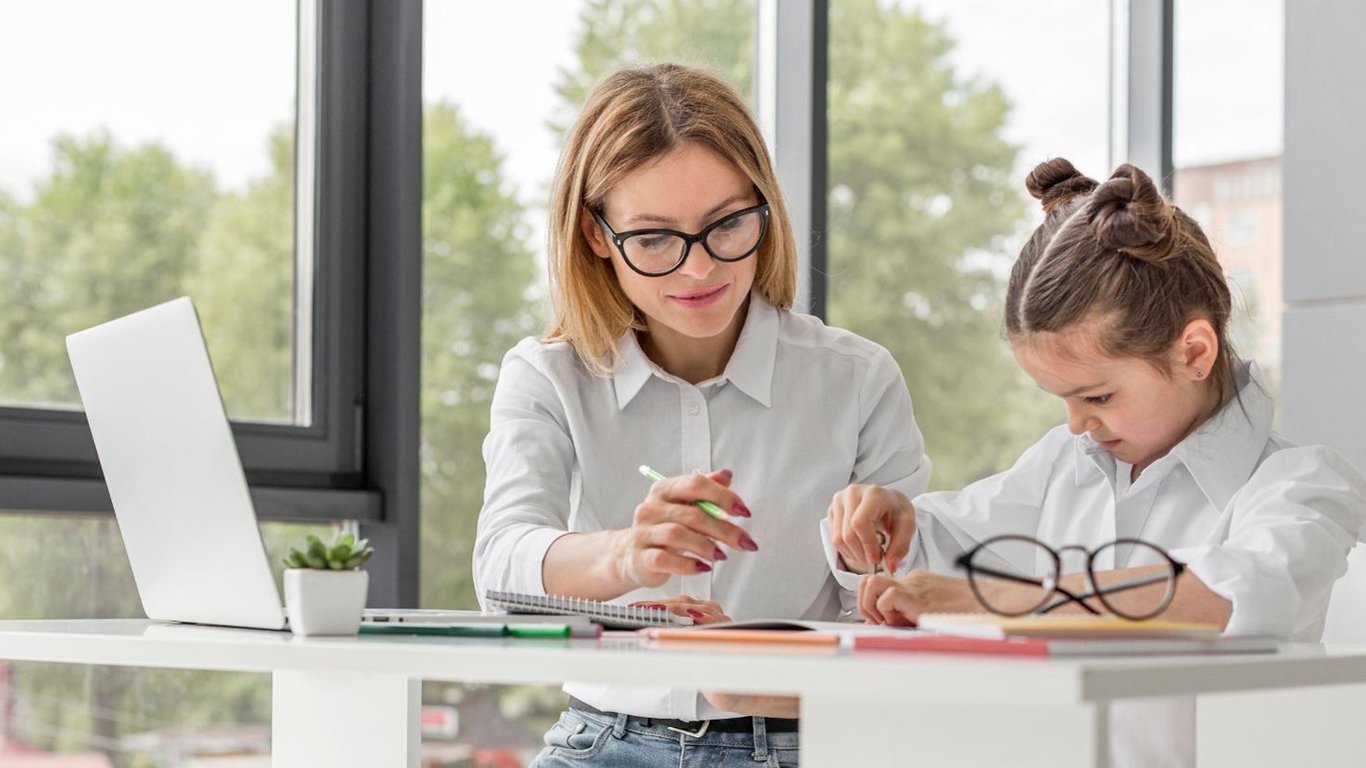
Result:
x=476 y=293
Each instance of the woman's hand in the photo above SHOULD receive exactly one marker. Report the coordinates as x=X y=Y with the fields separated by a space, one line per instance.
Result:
x=858 y=513
x=755 y=704
x=670 y=535
x=699 y=610
x=900 y=601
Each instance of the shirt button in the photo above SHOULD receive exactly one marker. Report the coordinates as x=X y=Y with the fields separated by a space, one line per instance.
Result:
x=694 y=409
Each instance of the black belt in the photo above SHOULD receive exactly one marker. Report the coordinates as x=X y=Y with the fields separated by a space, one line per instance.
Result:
x=728 y=725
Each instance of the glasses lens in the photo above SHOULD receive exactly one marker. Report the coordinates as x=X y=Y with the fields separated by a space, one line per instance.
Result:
x=1012 y=575
x=736 y=236
x=1134 y=596
x=653 y=253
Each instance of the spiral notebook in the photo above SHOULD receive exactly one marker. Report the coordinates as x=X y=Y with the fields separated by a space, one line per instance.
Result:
x=609 y=615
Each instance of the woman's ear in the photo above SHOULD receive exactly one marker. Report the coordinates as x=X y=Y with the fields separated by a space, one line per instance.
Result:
x=1197 y=349
x=592 y=232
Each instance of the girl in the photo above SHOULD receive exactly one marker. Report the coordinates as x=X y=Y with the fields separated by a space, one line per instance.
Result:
x=673 y=268
x=1118 y=306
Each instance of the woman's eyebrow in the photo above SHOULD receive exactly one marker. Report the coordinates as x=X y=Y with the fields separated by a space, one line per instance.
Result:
x=652 y=218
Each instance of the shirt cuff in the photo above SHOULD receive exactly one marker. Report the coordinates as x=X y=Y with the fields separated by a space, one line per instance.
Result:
x=530 y=553
x=1264 y=598
x=847 y=579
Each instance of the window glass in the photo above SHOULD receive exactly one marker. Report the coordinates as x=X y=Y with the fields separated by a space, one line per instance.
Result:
x=490 y=146
x=143 y=160
x=937 y=111
x=76 y=568
x=1227 y=137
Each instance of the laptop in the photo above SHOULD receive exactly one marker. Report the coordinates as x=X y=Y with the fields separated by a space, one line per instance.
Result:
x=174 y=475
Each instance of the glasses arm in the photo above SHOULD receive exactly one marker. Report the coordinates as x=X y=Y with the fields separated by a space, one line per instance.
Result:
x=995 y=574
x=1119 y=586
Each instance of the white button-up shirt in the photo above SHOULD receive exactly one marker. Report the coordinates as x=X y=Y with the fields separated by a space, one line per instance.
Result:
x=801 y=411
x=1262 y=523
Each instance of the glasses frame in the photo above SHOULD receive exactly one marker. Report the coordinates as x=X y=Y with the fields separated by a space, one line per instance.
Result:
x=1051 y=583
x=619 y=239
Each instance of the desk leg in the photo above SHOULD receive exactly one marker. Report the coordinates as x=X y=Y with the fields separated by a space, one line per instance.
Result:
x=854 y=729
x=337 y=718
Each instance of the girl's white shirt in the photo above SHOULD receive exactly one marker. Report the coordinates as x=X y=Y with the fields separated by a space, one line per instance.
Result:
x=801 y=411
x=1263 y=523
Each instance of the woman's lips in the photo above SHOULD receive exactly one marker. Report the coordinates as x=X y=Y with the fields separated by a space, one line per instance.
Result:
x=703 y=298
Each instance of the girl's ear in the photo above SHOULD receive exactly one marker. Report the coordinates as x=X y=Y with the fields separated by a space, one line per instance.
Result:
x=592 y=232
x=1197 y=349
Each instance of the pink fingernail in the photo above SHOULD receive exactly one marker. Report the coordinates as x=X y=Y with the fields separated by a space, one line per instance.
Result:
x=702 y=567
x=749 y=544
x=740 y=509
x=693 y=612
x=718 y=554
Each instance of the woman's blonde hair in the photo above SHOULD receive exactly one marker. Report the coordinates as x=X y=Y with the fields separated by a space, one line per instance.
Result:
x=632 y=118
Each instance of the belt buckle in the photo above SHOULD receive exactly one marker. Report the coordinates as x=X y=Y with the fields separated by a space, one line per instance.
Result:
x=705 y=725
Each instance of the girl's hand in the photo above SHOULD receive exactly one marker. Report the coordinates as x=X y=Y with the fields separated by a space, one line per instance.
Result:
x=900 y=601
x=858 y=513
x=755 y=704
x=699 y=610
x=670 y=535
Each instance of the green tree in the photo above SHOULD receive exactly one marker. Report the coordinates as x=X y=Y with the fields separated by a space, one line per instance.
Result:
x=242 y=282
x=110 y=231
x=924 y=212
x=478 y=276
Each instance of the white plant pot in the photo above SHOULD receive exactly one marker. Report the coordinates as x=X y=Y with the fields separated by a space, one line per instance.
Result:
x=325 y=602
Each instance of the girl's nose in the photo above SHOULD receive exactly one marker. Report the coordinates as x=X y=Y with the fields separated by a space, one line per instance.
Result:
x=1077 y=421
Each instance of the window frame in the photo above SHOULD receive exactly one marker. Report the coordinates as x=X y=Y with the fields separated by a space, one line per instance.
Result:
x=366 y=268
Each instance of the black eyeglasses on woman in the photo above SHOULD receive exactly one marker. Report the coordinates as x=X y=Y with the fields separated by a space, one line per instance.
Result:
x=995 y=574
x=658 y=252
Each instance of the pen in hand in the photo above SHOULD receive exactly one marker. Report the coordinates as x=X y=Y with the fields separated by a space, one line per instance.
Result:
x=705 y=506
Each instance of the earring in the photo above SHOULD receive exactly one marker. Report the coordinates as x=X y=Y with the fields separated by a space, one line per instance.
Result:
x=1199 y=374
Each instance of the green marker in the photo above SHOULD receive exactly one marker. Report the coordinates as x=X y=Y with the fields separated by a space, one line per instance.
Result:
x=538 y=630
x=705 y=506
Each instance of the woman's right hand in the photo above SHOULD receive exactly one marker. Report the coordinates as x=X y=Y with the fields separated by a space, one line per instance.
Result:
x=671 y=535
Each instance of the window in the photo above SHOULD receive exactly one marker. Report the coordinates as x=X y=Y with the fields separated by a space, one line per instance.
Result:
x=1226 y=144
x=165 y=168
x=937 y=111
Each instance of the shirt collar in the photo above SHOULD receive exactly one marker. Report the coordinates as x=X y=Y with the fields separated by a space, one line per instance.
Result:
x=1221 y=454
x=750 y=367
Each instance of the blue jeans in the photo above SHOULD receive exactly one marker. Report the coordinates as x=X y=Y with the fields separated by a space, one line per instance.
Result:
x=587 y=739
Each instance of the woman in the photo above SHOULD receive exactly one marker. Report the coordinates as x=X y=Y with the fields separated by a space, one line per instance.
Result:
x=673 y=268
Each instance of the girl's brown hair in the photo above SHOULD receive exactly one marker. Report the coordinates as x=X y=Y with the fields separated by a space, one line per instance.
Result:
x=1119 y=253
x=631 y=119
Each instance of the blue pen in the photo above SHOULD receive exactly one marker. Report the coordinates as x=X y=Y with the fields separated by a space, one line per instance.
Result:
x=705 y=506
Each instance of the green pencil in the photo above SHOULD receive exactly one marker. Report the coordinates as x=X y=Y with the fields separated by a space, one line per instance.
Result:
x=705 y=506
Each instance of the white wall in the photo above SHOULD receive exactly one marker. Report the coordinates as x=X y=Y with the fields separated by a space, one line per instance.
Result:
x=1324 y=368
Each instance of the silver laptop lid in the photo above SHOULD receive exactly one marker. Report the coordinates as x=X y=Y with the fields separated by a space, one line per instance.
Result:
x=173 y=471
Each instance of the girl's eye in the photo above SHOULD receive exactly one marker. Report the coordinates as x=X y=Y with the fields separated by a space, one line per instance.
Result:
x=1098 y=399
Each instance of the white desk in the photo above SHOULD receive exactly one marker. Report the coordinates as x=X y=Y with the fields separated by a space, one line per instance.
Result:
x=858 y=709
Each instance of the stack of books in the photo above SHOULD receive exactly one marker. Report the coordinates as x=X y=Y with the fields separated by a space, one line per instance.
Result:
x=1062 y=636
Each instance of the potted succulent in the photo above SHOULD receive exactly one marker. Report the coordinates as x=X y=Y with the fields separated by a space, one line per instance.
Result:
x=324 y=586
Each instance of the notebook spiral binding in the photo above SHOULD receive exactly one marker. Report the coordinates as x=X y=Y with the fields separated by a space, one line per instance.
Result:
x=610 y=615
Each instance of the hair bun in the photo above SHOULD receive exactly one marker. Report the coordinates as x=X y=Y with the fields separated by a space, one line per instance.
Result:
x=1054 y=182
x=1128 y=214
